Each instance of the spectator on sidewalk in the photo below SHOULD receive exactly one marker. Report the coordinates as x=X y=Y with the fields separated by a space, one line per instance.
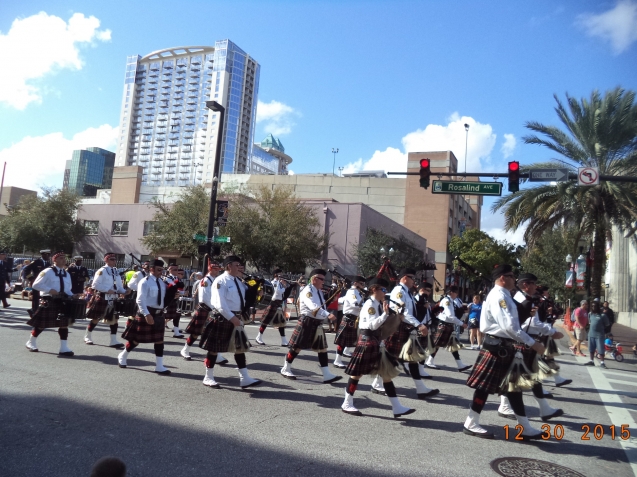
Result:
x=610 y=314
x=475 y=309
x=581 y=320
x=598 y=322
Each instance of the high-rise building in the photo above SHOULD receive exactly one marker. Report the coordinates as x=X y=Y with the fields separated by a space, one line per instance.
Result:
x=89 y=169
x=165 y=126
x=269 y=157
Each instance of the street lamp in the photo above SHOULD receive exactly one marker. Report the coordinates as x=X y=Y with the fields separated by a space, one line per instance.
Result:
x=334 y=151
x=216 y=179
x=340 y=171
x=466 y=143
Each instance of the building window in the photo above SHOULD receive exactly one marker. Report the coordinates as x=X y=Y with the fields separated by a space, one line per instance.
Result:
x=149 y=227
x=91 y=227
x=88 y=255
x=120 y=228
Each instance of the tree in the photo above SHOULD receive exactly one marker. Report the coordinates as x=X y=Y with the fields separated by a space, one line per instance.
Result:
x=482 y=252
x=43 y=221
x=600 y=132
x=369 y=257
x=271 y=228
x=176 y=223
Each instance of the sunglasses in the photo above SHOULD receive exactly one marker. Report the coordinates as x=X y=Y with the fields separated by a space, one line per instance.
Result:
x=319 y=278
x=384 y=290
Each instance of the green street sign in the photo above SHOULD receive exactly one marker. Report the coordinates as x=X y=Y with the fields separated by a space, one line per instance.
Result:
x=222 y=239
x=199 y=237
x=467 y=188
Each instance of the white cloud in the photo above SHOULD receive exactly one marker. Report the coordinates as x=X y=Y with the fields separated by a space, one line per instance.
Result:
x=42 y=44
x=617 y=25
x=481 y=141
x=39 y=161
x=508 y=145
x=516 y=238
x=278 y=117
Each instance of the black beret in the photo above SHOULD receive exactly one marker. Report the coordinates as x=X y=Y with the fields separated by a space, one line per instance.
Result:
x=157 y=263
x=453 y=289
x=318 y=271
x=378 y=281
x=500 y=270
x=526 y=277
x=276 y=271
x=230 y=259
x=358 y=278
x=406 y=271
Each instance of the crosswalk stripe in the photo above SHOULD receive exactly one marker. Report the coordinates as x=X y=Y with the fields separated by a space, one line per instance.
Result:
x=625 y=383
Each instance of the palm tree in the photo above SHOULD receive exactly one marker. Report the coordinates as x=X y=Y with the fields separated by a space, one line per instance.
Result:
x=600 y=132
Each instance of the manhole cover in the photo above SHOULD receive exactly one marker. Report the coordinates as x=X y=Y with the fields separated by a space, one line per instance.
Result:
x=522 y=467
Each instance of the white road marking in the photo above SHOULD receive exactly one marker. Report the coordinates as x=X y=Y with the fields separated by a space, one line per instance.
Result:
x=623 y=383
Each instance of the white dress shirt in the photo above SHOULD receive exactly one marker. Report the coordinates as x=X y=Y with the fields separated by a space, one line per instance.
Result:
x=533 y=325
x=107 y=279
x=352 y=302
x=400 y=294
x=279 y=289
x=372 y=315
x=204 y=292
x=47 y=281
x=499 y=317
x=312 y=303
x=448 y=314
x=225 y=295
x=134 y=281
x=147 y=294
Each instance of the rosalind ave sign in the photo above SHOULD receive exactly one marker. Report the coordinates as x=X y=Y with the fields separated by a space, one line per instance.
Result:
x=467 y=188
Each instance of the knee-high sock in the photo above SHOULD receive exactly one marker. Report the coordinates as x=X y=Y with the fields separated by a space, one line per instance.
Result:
x=64 y=333
x=210 y=360
x=456 y=355
x=282 y=330
x=390 y=389
x=36 y=332
x=538 y=391
x=130 y=346
x=352 y=384
x=479 y=400
x=291 y=356
x=339 y=350
x=240 y=359
x=262 y=328
x=114 y=328
x=91 y=326
x=176 y=321
x=191 y=340
x=517 y=404
x=414 y=371
x=159 y=350
x=322 y=357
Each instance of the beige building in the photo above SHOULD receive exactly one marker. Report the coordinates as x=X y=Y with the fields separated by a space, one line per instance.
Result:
x=11 y=196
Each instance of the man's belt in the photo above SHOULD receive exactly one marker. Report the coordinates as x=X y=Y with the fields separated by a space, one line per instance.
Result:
x=373 y=333
x=350 y=317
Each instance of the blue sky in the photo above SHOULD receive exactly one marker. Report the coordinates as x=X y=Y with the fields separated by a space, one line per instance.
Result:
x=375 y=79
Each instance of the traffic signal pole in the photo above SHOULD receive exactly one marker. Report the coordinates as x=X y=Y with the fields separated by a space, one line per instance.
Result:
x=216 y=180
x=523 y=175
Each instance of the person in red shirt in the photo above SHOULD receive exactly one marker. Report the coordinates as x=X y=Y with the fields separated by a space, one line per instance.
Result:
x=581 y=320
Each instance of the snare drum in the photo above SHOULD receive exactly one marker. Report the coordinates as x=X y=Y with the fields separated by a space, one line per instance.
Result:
x=268 y=292
x=125 y=307
x=186 y=304
x=74 y=309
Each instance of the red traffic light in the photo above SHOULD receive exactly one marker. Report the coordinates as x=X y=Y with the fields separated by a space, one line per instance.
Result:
x=514 y=166
x=424 y=163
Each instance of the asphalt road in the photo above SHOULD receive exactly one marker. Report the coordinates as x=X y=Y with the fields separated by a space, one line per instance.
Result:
x=59 y=415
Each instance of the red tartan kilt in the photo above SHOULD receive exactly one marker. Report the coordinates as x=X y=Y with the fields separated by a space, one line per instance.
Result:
x=195 y=327
x=141 y=332
x=489 y=370
x=365 y=358
x=170 y=312
x=96 y=308
x=46 y=316
x=528 y=355
x=347 y=334
x=442 y=335
x=304 y=332
x=216 y=334
x=270 y=311
x=394 y=344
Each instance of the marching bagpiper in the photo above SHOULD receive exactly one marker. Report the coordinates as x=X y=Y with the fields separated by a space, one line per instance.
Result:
x=173 y=284
x=148 y=325
x=369 y=354
x=309 y=332
x=54 y=283
x=276 y=306
x=347 y=334
x=107 y=284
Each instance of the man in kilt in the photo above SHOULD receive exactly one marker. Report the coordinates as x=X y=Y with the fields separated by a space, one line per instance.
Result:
x=280 y=287
x=79 y=275
x=500 y=325
x=403 y=302
x=204 y=306
x=527 y=312
x=224 y=327
x=107 y=284
x=173 y=284
x=54 y=283
x=448 y=320
x=347 y=334
x=547 y=313
x=148 y=325
x=309 y=333
x=366 y=359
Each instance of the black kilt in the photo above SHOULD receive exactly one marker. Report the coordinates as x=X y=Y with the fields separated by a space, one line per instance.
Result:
x=96 y=309
x=489 y=370
x=46 y=316
x=195 y=327
x=443 y=334
x=347 y=334
x=270 y=311
x=141 y=332
x=170 y=312
x=394 y=344
x=304 y=332
x=365 y=358
x=216 y=334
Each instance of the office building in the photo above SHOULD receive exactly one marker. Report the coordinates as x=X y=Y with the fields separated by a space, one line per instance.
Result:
x=89 y=169
x=165 y=126
x=11 y=197
x=269 y=157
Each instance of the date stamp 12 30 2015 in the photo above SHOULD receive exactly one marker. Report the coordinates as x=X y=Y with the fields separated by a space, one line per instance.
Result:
x=557 y=432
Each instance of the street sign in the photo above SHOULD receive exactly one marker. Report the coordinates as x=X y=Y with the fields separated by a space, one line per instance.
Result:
x=221 y=239
x=199 y=237
x=588 y=176
x=467 y=188
x=548 y=175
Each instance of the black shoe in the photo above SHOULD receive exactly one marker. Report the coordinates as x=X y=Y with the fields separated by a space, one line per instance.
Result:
x=333 y=380
x=187 y=358
x=6 y=306
x=352 y=413
x=340 y=366
x=460 y=370
x=557 y=413
x=549 y=396
x=216 y=386
x=255 y=383
x=483 y=435
x=163 y=373
x=123 y=366
x=409 y=411
x=376 y=391
x=66 y=353
x=507 y=416
x=426 y=377
x=532 y=437
x=221 y=363
x=431 y=393
x=564 y=383
x=117 y=346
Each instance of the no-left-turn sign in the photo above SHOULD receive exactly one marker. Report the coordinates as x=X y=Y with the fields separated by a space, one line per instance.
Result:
x=588 y=176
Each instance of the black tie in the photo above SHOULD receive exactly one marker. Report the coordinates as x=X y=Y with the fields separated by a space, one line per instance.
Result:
x=158 y=292
x=380 y=310
x=236 y=282
x=58 y=273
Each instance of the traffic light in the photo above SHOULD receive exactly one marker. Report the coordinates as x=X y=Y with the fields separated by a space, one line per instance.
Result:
x=425 y=172
x=514 y=176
